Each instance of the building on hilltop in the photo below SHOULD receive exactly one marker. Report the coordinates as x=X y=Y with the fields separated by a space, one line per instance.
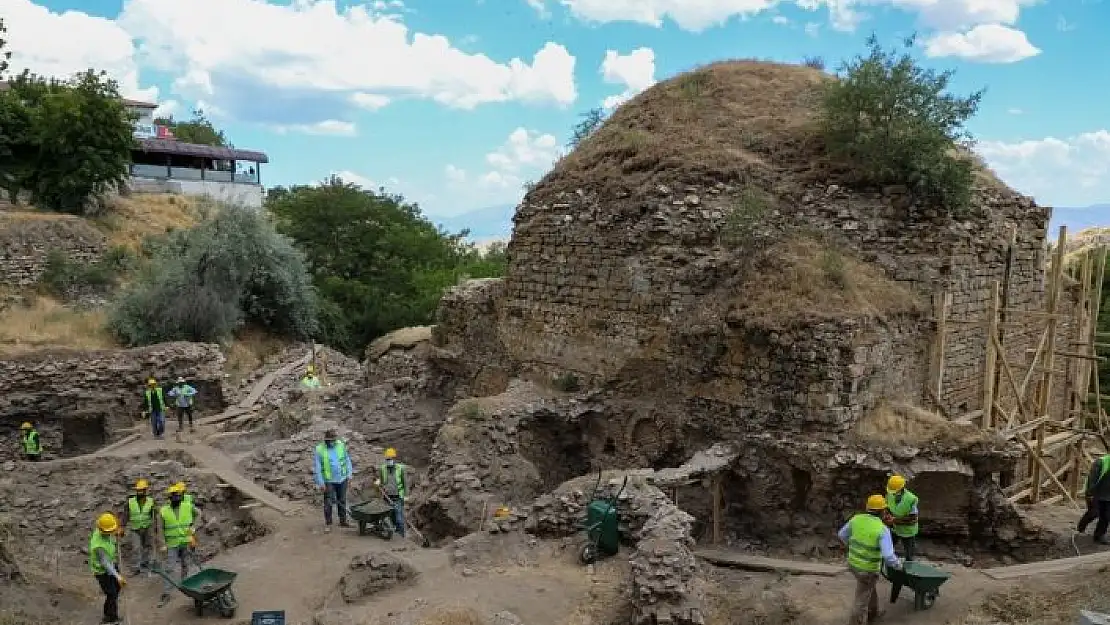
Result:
x=162 y=164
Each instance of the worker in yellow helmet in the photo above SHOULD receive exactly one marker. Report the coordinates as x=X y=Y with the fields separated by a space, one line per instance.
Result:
x=103 y=562
x=869 y=544
x=177 y=520
x=902 y=505
x=29 y=441
x=310 y=380
x=393 y=482
x=154 y=406
x=332 y=471
x=138 y=518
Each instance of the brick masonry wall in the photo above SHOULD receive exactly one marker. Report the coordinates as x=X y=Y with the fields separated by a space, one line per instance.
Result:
x=26 y=239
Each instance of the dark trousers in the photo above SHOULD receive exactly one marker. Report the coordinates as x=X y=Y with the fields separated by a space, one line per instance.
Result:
x=32 y=457
x=1096 y=510
x=336 y=494
x=182 y=411
x=158 y=422
x=109 y=585
x=909 y=545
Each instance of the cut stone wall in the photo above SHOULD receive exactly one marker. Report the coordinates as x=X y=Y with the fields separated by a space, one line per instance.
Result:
x=26 y=239
x=90 y=394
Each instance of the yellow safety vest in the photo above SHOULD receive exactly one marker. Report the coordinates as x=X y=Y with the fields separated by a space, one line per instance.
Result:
x=864 y=533
x=176 y=526
x=98 y=541
x=140 y=517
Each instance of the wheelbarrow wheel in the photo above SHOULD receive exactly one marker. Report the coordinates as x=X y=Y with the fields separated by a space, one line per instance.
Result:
x=385 y=529
x=924 y=600
x=198 y=607
x=362 y=528
x=226 y=604
x=589 y=553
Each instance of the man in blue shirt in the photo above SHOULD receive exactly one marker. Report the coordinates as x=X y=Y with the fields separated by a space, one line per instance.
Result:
x=332 y=471
x=183 y=395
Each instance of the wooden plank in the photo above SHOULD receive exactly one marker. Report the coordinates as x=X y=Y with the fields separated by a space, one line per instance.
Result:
x=990 y=367
x=1045 y=395
x=715 y=484
x=1024 y=428
x=1046 y=567
x=748 y=562
x=127 y=440
x=943 y=307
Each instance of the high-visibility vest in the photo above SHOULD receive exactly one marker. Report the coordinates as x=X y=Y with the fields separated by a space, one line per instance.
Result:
x=325 y=462
x=398 y=476
x=31 y=444
x=140 y=517
x=864 y=533
x=99 y=541
x=901 y=509
x=176 y=525
x=150 y=395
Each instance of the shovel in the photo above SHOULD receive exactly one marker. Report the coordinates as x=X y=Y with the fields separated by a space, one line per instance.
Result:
x=424 y=542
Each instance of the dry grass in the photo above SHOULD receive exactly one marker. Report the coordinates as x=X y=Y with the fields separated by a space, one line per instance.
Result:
x=725 y=121
x=895 y=423
x=1085 y=242
x=47 y=323
x=802 y=279
x=249 y=351
x=133 y=219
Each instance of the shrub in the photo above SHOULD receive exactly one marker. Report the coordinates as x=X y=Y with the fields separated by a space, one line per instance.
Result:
x=814 y=62
x=203 y=283
x=892 y=122
x=62 y=275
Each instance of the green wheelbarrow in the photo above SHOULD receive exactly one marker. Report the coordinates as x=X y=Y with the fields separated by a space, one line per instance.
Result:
x=602 y=525
x=374 y=514
x=209 y=589
x=925 y=582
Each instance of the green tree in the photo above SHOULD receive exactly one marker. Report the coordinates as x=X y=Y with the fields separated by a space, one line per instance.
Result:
x=378 y=264
x=199 y=130
x=67 y=142
x=5 y=53
x=893 y=122
x=203 y=283
x=591 y=121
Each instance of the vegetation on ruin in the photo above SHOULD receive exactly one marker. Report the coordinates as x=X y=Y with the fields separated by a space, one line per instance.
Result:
x=198 y=129
x=377 y=262
x=204 y=283
x=65 y=142
x=893 y=122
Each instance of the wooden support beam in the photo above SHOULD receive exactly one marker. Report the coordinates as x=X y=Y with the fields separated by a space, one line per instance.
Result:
x=717 y=508
x=1027 y=490
x=1024 y=428
x=989 y=366
x=942 y=306
x=1045 y=389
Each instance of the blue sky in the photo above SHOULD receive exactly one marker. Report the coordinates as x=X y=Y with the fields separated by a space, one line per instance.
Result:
x=457 y=103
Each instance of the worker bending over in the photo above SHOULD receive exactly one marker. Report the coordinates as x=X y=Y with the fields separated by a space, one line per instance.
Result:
x=332 y=470
x=182 y=394
x=138 y=518
x=869 y=544
x=902 y=505
x=103 y=562
x=1098 y=499
x=29 y=441
x=177 y=519
x=393 y=482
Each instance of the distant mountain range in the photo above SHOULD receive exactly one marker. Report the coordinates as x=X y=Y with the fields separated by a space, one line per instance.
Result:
x=496 y=222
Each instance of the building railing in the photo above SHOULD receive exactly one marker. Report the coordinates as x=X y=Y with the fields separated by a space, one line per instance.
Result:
x=165 y=172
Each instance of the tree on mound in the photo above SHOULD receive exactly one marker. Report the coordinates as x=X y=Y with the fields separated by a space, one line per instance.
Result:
x=894 y=123
x=203 y=283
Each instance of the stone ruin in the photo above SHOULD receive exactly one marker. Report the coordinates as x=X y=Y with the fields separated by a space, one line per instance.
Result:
x=656 y=309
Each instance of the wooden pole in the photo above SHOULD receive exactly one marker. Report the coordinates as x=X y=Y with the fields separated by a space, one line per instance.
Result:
x=715 y=485
x=1100 y=277
x=1045 y=395
x=990 y=366
x=942 y=305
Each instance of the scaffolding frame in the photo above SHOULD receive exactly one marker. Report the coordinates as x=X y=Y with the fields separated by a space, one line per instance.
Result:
x=1018 y=396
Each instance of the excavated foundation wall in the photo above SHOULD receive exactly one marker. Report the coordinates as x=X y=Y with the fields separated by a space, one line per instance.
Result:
x=77 y=399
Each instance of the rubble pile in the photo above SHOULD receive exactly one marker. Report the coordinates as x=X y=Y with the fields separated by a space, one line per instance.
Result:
x=372 y=573
x=400 y=354
x=284 y=467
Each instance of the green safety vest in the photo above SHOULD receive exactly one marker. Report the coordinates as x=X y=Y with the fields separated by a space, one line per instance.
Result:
x=340 y=456
x=151 y=394
x=31 y=444
x=864 y=532
x=140 y=517
x=175 y=527
x=310 y=382
x=902 y=509
x=398 y=476
x=1103 y=466
x=98 y=541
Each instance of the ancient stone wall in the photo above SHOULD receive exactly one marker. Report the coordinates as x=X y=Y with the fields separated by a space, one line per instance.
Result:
x=26 y=239
x=77 y=398
x=468 y=347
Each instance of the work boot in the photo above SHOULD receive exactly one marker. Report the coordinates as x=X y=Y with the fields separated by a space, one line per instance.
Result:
x=344 y=523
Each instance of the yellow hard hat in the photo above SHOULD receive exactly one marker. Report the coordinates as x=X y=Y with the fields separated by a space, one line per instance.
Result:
x=176 y=488
x=391 y=453
x=876 y=503
x=142 y=484
x=151 y=382
x=310 y=369
x=895 y=483
x=107 y=523
x=26 y=426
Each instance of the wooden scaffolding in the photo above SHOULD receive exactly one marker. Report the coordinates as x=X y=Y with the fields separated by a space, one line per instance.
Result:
x=1059 y=428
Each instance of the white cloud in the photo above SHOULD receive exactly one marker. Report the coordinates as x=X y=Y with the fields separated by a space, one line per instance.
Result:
x=635 y=71
x=333 y=127
x=1074 y=171
x=278 y=63
x=693 y=16
x=454 y=174
x=1015 y=111
x=987 y=43
x=391 y=183
x=1063 y=25
x=526 y=155
x=780 y=20
x=812 y=29
x=168 y=108
x=62 y=44
x=370 y=101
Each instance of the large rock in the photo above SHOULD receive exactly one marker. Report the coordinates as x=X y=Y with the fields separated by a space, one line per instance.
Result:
x=373 y=573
